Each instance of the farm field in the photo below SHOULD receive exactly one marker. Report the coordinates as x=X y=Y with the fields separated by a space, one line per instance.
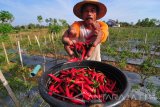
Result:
x=133 y=49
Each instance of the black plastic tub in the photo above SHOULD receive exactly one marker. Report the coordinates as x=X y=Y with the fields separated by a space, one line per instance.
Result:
x=107 y=69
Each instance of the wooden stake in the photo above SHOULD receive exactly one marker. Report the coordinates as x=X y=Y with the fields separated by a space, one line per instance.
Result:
x=20 y=54
x=40 y=48
x=9 y=90
x=5 y=52
x=29 y=40
x=146 y=39
x=38 y=42
x=45 y=42
x=50 y=38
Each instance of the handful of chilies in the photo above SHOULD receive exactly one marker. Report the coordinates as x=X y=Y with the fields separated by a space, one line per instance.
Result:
x=82 y=83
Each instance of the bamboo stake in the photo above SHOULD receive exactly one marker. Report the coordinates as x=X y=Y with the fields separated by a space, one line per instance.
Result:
x=146 y=38
x=45 y=42
x=50 y=38
x=5 y=52
x=20 y=54
x=38 y=42
x=29 y=40
x=9 y=90
x=44 y=59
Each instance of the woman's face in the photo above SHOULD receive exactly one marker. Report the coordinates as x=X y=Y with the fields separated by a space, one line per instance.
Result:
x=89 y=14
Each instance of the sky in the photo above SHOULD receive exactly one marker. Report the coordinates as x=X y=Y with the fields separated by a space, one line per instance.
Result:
x=26 y=11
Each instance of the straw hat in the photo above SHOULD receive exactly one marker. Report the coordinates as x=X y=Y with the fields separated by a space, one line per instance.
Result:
x=101 y=6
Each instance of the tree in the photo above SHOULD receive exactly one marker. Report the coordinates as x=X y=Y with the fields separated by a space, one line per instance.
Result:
x=6 y=17
x=147 y=22
x=40 y=19
x=63 y=23
x=47 y=21
x=31 y=26
x=124 y=24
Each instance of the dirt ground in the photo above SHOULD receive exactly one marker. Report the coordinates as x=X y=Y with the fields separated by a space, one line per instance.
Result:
x=135 y=103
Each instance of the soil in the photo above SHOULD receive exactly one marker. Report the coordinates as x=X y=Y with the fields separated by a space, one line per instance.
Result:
x=135 y=103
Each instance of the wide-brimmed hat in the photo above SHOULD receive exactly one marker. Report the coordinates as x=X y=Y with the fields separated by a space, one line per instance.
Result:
x=102 y=8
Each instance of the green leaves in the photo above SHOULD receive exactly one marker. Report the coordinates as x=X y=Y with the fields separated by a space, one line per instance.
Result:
x=40 y=18
x=5 y=28
x=6 y=17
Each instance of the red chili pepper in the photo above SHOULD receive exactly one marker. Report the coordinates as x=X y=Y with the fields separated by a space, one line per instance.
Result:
x=50 y=92
x=98 y=75
x=89 y=88
x=52 y=89
x=67 y=92
x=102 y=79
x=71 y=86
x=73 y=60
x=70 y=95
x=102 y=89
x=87 y=80
x=113 y=85
x=86 y=95
x=61 y=90
x=107 y=90
x=79 y=48
x=55 y=78
x=75 y=81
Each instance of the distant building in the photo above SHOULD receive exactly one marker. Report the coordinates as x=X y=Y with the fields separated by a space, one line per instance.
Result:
x=113 y=23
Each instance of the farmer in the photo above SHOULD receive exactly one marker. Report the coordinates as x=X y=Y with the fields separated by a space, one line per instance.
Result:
x=89 y=29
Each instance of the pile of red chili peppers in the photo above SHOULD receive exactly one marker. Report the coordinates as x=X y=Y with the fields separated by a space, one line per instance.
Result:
x=81 y=83
x=80 y=50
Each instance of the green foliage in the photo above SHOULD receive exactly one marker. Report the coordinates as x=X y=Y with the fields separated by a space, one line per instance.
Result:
x=122 y=58
x=125 y=24
x=4 y=38
x=139 y=33
x=111 y=51
x=147 y=22
x=56 y=25
x=136 y=87
x=2 y=59
x=14 y=77
x=55 y=28
x=147 y=67
x=6 y=17
x=157 y=61
x=150 y=86
x=18 y=84
x=63 y=23
x=40 y=19
x=158 y=93
x=31 y=26
x=5 y=28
